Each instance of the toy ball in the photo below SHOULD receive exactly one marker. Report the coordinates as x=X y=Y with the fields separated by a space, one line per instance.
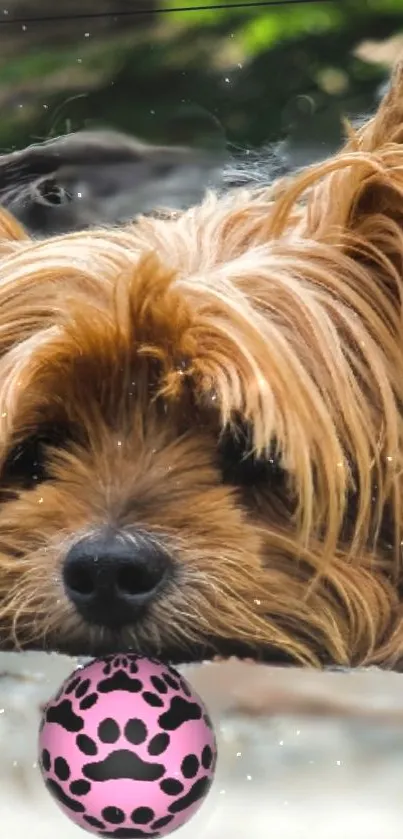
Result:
x=126 y=748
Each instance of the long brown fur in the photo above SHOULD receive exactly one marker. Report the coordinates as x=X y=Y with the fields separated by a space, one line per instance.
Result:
x=279 y=311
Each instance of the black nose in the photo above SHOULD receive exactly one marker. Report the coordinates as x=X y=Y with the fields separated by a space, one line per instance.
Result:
x=111 y=578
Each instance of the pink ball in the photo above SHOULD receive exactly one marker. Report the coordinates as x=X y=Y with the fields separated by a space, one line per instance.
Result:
x=126 y=748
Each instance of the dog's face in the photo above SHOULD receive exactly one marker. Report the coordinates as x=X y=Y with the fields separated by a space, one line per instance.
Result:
x=125 y=517
x=132 y=514
x=201 y=440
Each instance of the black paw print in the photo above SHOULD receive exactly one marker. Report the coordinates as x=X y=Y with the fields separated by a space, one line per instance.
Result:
x=125 y=763
x=80 y=688
x=141 y=817
x=62 y=772
x=114 y=662
x=62 y=712
x=121 y=673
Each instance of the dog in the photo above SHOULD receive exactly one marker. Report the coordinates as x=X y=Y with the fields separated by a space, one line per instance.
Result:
x=201 y=422
x=102 y=177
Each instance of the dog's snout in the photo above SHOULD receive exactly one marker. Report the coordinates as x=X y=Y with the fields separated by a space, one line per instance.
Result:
x=110 y=579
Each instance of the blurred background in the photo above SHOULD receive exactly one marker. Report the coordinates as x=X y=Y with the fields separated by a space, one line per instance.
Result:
x=215 y=78
x=204 y=75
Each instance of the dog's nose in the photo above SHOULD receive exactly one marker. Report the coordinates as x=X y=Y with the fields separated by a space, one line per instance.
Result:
x=110 y=579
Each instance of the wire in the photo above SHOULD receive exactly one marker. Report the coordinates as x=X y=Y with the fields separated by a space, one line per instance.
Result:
x=10 y=21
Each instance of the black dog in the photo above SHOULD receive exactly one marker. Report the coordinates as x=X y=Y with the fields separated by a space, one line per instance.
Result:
x=101 y=177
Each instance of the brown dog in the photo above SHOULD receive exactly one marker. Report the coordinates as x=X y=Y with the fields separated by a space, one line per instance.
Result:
x=201 y=423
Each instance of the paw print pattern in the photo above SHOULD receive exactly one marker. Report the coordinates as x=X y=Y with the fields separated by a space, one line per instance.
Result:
x=61 y=772
x=62 y=711
x=89 y=749
x=123 y=762
x=80 y=689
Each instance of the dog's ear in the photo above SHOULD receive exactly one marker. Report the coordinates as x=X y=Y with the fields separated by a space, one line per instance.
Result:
x=374 y=195
x=359 y=192
x=386 y=126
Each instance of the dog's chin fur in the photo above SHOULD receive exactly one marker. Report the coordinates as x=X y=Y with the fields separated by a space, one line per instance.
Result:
x=228 y=380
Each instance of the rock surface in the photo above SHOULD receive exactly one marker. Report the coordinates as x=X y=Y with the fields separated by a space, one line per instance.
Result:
x=302 y=755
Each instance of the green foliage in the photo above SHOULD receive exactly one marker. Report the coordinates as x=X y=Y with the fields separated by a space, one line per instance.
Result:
x=207 y=75
x=267 y=29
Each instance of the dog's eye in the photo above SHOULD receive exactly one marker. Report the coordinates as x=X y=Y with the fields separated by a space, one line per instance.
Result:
x=240 y=467
x=50 y=193
x=27 y=462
